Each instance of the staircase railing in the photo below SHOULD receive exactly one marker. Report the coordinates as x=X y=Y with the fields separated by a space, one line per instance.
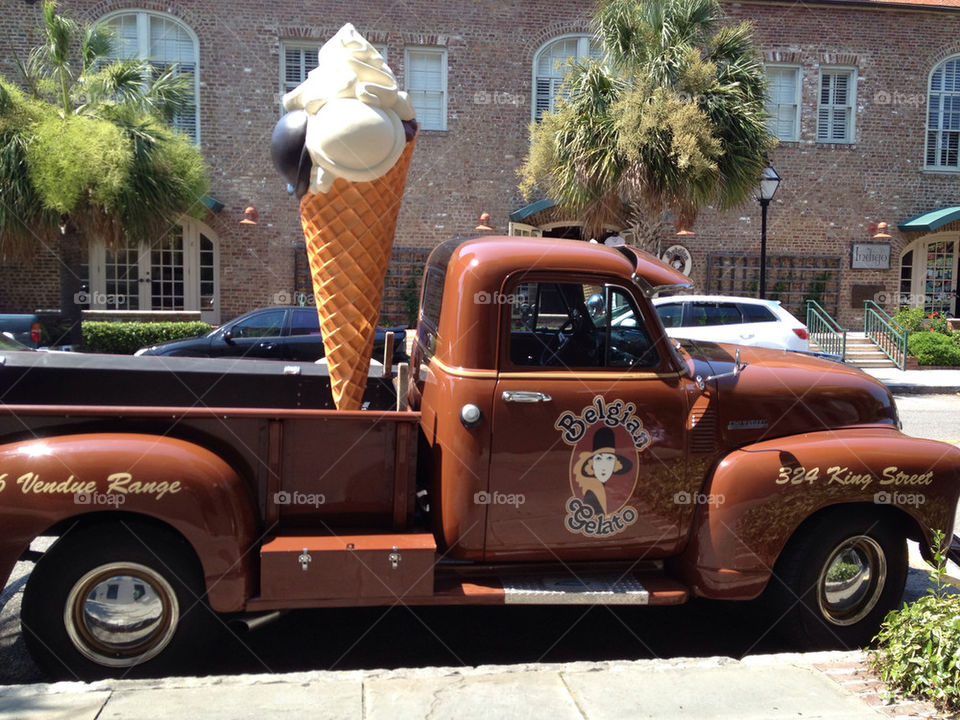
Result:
x=825 y=331
x=879 y=327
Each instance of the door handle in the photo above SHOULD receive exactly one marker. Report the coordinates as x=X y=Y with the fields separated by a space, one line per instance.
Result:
x=267 y=346
x=525 y=396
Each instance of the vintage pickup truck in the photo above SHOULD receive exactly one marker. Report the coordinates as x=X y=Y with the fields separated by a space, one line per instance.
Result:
x=559 y=448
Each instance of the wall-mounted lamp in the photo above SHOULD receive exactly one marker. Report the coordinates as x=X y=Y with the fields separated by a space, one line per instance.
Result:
x=484 y=222
x=249 y=216
x=881 y=231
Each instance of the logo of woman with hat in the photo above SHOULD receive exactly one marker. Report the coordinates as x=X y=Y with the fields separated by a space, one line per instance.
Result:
x=603 y=476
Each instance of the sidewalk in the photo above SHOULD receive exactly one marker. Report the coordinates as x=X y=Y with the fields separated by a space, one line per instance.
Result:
x=942 y=382
x=812 y=685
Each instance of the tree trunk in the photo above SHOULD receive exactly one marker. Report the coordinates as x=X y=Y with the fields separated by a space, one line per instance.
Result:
x=70 y=259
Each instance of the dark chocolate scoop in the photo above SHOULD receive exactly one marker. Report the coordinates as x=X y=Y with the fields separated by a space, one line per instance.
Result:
x=288 y=145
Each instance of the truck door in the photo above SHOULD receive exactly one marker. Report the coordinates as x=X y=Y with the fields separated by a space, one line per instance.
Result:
x=588 y=453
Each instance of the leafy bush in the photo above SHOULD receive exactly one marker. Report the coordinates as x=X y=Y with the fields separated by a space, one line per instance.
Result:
x=932 y=348
x=919 y=320
x=918 y=648
x=126 y=338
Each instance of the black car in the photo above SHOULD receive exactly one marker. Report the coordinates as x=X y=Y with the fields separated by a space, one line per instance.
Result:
x=277 y=333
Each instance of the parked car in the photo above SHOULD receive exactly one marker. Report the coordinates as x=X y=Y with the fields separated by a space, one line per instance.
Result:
x=24 y=328
x=737 y=320
x=276 y=333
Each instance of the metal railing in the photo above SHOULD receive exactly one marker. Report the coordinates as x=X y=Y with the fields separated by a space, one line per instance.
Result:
x=825 y=331
x=878 y=326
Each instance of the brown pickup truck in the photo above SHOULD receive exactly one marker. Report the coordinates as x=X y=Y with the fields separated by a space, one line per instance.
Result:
x=559 y=449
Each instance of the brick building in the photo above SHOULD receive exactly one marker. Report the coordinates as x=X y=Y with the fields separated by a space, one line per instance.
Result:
x=865 y=97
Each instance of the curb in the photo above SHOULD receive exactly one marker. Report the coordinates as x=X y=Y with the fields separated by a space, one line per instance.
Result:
x=910 y=389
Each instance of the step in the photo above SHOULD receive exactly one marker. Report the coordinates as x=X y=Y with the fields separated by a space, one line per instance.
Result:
x=565 y=589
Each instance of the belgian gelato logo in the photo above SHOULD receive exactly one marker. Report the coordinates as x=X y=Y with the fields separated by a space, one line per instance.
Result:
x=606 y=439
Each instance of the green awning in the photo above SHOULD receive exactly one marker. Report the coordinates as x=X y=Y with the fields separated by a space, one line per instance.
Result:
x=930 y=220
x=525 y=212
x=212 y=203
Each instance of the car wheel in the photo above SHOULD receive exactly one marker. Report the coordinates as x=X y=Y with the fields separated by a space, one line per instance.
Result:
x=115 y=600
x=838 y=578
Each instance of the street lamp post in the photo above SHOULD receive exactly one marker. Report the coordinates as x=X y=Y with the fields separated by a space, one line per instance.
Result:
x=769 y=182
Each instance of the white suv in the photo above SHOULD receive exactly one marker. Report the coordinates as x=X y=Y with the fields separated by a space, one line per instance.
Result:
x=736 y=320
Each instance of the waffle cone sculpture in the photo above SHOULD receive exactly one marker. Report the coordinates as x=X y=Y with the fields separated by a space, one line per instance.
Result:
x=349 y=234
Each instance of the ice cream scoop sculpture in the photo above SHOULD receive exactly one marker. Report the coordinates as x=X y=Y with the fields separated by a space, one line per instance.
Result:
x=344 y=146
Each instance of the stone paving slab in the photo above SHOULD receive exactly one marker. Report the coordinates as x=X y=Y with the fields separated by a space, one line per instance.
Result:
x=537 y=694
x=325 y=698
x=731 y=692
x=27 y=702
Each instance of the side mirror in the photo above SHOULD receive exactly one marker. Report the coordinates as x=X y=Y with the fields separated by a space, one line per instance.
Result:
x=227 y=336
x=595 y=306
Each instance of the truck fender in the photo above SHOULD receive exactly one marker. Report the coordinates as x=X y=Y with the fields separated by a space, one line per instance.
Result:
x=759 y=495
x=46 y=481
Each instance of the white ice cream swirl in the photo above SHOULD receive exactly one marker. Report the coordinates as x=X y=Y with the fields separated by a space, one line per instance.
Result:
x=354 y=109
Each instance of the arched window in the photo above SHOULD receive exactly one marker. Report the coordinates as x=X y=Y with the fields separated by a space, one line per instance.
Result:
x=928 y=273
x=943 y=116
x=551 y=64
x=164 y=41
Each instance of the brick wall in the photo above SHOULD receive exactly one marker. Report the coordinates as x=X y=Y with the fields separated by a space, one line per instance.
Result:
x=829 y=195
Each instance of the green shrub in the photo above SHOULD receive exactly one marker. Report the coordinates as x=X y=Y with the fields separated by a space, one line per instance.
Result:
x=919 y=320
x=918 y=646
x=932 y=348
x=126 y=338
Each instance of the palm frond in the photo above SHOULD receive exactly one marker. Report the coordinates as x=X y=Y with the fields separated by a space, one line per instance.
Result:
x=96 y=43
x=674 y=119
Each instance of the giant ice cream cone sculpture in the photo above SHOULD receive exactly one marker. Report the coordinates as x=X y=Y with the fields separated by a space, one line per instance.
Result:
x=358 y=137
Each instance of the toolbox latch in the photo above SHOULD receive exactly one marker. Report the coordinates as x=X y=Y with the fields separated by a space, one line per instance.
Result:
x=304 y=560
x=394 y=558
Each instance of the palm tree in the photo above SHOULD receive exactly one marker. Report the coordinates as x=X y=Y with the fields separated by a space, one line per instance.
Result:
x=86 y=151
x=671 y=119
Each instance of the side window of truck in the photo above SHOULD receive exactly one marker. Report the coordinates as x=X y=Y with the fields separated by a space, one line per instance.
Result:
x=582 y=325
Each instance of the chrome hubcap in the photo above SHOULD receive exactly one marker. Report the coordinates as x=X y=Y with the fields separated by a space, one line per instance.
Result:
x=851 y=580
x=121 y=614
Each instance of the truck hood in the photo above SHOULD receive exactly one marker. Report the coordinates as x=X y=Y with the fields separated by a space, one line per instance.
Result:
x=779 y=392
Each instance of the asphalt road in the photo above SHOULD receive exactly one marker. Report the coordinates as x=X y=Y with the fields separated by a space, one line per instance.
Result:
x=420 y=637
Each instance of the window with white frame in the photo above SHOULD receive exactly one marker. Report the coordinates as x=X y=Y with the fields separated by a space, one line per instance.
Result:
x=551 y=63
x=177 y=271
x=835 y=111
x=298 y=58
x=783 y=101
x=943 y=116
x=164 y=41
x=426 y=82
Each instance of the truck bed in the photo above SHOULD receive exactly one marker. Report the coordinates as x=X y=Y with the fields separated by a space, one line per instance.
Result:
x=310 y=467
x=91 y=379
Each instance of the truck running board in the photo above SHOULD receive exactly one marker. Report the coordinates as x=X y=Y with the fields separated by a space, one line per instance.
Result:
x=590 y=590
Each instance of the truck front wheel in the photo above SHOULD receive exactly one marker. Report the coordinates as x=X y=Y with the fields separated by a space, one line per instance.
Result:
x=105 y=600
x=837 y=579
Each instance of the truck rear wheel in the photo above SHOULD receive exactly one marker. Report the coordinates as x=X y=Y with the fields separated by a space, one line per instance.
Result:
x=838 y=578
x=107 y=600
